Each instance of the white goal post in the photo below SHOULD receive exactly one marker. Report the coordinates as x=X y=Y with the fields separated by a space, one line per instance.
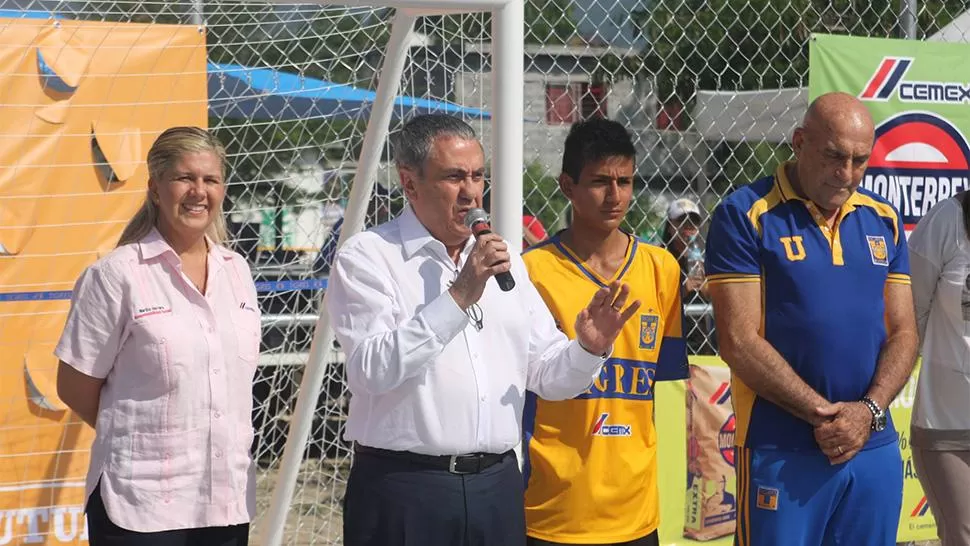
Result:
x=506 y=167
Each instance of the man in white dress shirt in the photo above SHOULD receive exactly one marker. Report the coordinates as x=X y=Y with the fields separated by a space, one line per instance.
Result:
x=439 y=357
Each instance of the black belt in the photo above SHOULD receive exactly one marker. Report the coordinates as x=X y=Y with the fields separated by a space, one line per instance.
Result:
x=472 y=463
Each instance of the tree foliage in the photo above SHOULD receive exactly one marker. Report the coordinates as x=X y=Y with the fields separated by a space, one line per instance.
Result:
x=543 y=198
x=546 y=22
x=759 y=44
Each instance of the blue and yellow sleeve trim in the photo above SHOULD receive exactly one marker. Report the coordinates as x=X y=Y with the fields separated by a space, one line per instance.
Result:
x=726 y=278
x=898 y=278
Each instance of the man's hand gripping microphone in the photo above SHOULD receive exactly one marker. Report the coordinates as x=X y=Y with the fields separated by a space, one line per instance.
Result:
x=477 y=221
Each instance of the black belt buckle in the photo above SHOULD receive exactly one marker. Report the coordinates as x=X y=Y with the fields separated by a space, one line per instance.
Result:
x=454 y=460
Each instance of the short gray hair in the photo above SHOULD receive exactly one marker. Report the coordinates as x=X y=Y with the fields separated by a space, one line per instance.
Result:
x=412 y=144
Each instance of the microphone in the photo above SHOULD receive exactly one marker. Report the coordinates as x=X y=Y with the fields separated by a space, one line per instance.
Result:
x=477 y=221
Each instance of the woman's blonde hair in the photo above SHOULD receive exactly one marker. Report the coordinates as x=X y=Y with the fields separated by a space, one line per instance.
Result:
x=167 y=149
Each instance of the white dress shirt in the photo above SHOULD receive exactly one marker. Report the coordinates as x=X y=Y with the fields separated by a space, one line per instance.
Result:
x=940 y=271
x=422 y=377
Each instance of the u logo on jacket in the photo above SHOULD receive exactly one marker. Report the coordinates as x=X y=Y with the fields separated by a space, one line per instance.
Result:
x=794 y=250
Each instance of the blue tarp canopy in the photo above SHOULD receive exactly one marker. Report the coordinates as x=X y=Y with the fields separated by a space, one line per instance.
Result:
x=237 y=91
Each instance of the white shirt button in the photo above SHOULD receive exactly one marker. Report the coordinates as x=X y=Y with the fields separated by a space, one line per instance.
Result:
x=218 y=414
x=218 y=454
x=215 y=371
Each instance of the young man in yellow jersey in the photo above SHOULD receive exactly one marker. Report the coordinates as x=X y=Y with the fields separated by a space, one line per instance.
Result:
x=591 y=462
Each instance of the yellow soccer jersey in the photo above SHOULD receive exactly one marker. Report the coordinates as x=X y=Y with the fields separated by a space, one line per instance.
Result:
x=591 y=462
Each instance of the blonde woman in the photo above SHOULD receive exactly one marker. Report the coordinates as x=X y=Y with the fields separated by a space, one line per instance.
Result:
x=940 y=265
x=158 y=355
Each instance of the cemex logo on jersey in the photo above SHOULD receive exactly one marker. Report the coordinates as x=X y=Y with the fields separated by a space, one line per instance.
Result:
x=918 y=159
x=600 y=428
x=888 y=80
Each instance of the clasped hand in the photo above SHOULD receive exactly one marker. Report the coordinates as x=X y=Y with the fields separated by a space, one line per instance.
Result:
x=843 y=431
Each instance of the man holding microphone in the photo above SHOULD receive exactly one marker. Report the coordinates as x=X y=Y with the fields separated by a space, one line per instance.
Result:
x=439 y=356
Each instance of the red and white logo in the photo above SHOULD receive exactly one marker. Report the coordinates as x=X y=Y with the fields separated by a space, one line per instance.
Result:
x=918 y=159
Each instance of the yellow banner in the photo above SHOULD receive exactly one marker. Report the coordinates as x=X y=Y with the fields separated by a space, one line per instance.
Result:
x=915 y=522
x=82 y=104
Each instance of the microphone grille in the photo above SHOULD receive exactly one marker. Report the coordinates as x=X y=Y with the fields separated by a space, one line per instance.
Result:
x=475 y=216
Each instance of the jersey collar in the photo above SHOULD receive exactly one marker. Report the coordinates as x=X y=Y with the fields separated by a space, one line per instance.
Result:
x=631 y=251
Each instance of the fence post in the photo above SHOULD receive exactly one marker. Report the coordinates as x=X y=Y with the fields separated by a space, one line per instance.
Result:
x=907 y=18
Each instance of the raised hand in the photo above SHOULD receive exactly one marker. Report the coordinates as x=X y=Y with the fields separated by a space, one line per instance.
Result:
x=601 y=321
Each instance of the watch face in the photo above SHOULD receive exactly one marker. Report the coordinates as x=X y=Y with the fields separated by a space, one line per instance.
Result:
x=879 y=423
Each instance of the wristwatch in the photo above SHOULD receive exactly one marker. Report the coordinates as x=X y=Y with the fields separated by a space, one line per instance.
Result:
x=878 y=414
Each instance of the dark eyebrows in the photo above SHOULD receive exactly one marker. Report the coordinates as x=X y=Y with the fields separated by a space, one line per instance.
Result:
x=608 y=178
x=463 y=172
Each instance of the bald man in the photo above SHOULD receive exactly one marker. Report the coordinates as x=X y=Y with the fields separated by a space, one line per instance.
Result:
x=809 y=277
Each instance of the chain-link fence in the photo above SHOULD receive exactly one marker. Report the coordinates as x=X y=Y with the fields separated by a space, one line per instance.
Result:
x=710 y=90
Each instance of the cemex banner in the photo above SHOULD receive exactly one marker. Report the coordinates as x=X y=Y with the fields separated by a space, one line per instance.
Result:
x=918 y=94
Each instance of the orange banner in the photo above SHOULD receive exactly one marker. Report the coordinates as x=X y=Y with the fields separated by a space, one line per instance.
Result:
x=82 y=103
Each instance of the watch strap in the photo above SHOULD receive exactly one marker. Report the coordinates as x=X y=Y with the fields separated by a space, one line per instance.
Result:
x=878 y=415
x=873 y=406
